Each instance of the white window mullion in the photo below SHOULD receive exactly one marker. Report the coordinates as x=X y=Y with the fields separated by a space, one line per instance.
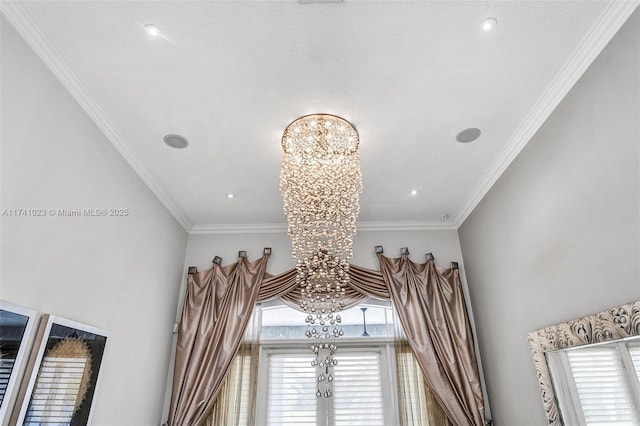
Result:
x=632 y=374
x=390 y=385
x=323 y=405
x=565 y=388
x=327 y=415
x=263 y=383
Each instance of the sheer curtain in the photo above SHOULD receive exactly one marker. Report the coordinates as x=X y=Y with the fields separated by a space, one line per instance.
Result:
x=236 y=402
x=416 y=403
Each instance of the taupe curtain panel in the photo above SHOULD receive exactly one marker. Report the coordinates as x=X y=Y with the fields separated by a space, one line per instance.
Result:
x=428 y=299
x=430 y=304
x=217 y=308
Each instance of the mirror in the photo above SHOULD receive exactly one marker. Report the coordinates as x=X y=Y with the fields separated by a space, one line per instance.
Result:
x=605 y=334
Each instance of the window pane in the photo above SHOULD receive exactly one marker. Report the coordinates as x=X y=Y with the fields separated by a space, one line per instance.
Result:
x=634 y=350
x=292 y=394
x=602 y=387
x=358 y=390
x=287 y=323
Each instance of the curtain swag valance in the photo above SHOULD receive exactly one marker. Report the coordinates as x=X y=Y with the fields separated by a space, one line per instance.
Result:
x=428 y=299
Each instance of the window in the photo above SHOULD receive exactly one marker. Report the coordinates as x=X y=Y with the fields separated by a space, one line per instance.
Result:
x=634 y=352
x=291 y=396
x=272 y=382
x=598 y=384
x=359 y=389
x=359 y=396
x=364 y=385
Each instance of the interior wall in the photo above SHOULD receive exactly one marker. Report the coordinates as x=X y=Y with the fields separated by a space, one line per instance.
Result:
x=201 y=249
x=121 y=274
x=558 y=236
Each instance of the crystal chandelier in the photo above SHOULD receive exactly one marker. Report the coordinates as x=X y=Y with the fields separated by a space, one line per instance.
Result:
x=321 y=182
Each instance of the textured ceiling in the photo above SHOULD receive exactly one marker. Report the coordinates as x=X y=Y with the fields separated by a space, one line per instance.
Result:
x=230 y=76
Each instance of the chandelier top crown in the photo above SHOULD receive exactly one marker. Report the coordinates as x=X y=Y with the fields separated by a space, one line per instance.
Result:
x=320 y=136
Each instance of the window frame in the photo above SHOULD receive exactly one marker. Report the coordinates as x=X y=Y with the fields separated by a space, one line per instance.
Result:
x=571 y=408
x=385 y=346
x=617 y=321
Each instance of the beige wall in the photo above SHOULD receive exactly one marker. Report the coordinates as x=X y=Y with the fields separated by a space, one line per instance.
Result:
x=121 y=274
x=558 y=236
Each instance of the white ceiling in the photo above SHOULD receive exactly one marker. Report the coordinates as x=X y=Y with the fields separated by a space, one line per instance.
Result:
x=230 y=76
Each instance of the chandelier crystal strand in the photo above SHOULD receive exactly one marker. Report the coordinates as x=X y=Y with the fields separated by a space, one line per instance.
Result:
x=321 y=182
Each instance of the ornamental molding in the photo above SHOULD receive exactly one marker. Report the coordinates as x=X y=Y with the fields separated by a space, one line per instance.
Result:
x=613 y=324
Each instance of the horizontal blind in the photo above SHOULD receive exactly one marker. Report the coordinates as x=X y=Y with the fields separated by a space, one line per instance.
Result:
x=358 y=399
x=634 y=351
x=602 y=387
x=292 y=393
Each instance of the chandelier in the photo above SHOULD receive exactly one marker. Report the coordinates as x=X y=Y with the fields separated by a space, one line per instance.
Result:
x=321 y=182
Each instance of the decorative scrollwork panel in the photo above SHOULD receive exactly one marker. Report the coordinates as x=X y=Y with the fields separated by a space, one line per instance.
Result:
x=612 y=324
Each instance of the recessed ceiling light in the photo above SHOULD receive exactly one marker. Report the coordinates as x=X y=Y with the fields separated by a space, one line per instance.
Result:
x=230 y=195
x=468 y=135
x=413 y=192
x=489 y=24
x=152 y=30
x=176 y=141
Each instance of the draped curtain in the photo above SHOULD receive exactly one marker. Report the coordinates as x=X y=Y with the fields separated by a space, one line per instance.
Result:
x=430 y=304
x=428 y=299
x=217 y=308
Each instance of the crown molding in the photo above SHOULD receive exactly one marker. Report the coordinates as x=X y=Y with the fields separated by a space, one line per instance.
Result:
x=28 y=29
x=238 y=228
x=399 y=226
x=281 y=228
x=598 y=36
